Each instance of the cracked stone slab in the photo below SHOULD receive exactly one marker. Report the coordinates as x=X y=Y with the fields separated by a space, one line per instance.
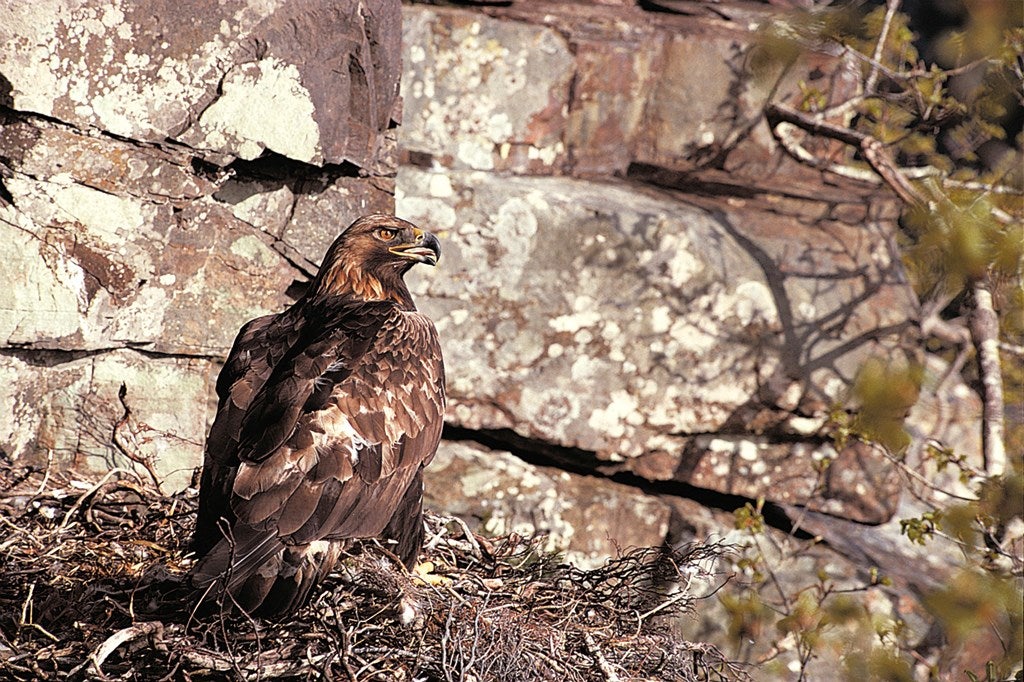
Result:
x=94 y=270
x=584 y=89
x=325 y=206
x=115 y=65
x=304 y=214
x=586 y=518
x=570 y=311
x=104 y=163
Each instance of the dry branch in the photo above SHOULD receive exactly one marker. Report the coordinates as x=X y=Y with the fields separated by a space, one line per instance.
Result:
x=891 y=7
x=874 y=152
x=123 y=636
x=984 y=324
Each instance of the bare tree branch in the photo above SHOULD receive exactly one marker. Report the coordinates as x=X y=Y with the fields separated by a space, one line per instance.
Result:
x=1011 y=348
x=125 y=438
x=607 y=671
x=153 y=629
x=892 y=6
x=984 y=324
x=874 y=151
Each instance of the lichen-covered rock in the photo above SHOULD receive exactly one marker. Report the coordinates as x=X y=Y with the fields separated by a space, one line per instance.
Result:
x=94 y=270
x=622 y=322
x=484 y=94
x=587 y=518
x=164 y=177
x=313 y=82
x=609 y=96
x=64 y=410
x=573 y=307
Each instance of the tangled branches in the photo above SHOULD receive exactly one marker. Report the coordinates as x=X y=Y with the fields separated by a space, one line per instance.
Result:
x=84 y=563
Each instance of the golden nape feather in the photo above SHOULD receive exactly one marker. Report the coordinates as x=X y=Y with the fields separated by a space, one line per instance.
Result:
x=328 y=412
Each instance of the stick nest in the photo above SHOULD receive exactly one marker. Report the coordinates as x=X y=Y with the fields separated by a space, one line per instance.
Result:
x=85 y=565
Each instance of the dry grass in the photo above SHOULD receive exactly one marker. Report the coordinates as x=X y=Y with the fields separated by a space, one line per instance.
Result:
x=82 y=563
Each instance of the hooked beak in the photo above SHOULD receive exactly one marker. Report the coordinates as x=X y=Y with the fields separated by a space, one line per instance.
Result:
x=424 y=249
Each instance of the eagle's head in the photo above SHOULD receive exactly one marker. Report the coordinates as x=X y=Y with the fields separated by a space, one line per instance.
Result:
x=370 y=257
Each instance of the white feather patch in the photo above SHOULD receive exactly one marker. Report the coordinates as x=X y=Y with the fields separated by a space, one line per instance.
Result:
x=339 y=430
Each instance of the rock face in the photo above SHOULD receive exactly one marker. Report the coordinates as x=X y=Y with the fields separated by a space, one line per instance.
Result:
x=587 y=519
x=167 y=174
x=695 y=336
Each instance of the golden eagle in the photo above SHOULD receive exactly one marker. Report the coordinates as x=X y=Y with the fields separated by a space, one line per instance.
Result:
x=328 y=413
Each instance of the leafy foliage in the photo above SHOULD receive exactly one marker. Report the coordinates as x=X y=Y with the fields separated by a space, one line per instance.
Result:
x=944 y=139
x=884 y=392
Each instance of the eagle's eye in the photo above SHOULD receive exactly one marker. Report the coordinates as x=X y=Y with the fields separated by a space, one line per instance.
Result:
x=386 y=234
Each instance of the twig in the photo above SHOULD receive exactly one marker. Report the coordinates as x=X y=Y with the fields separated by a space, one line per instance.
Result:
x=607 y=671
x=890 y=11
x=784 y=133
x=984 y=324
x=207 y=661
x=92 y=491
x=956 y=335
x=1012 y=348
x=676 y=598
x=917 y=476
x=115 y=437
x=933 y=325
x=26 y=607
x=46 y=473
x=104 y=650
x=28 y=617
x=874 y=151
x=470 y=538
x=18 y=532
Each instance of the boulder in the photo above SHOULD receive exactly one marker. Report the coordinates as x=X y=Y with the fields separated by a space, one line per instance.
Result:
x=315 y=83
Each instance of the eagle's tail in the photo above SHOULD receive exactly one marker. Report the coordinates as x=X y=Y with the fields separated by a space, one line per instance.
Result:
x=288 y=577
x=405 y=528
x=255 y=571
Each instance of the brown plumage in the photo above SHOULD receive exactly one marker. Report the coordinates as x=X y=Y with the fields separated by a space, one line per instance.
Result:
x=328 y=413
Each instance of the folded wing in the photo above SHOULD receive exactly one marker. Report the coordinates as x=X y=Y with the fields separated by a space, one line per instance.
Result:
x=321 y=435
